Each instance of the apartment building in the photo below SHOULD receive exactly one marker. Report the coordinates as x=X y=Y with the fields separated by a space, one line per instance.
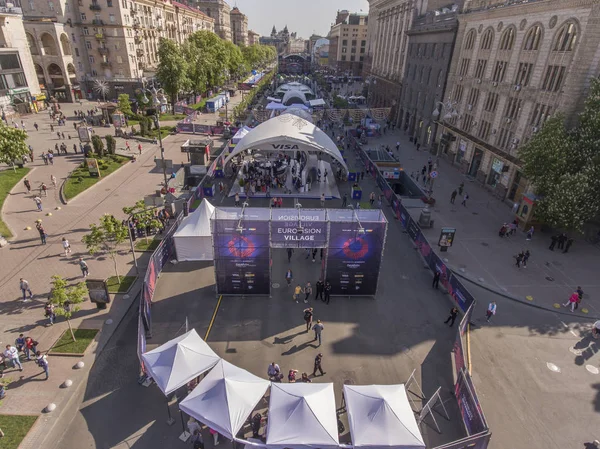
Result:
x=239 y=27
x=253 y=37
x=19 y=88
x=513 y=67
x=348 y=42
x=220 y=12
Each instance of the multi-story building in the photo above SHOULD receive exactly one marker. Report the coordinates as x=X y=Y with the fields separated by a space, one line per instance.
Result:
x=513 y=67
x=279 y=40
x=295 y=45
x=220 y=12
x=239 y=27
x=253 y=37
x=348 y=42
x=19 y=87
x=430 y=44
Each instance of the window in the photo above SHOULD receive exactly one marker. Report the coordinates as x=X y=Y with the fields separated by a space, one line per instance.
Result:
x=473 y=98
x=487 y=40
x=111 y=18
x=533 y=38
x=345 y=42
x=504 y=139
x=467 y=122
x=80 y=66
x=484 y=130
x=428 y=75
x=464 y=66
x=352 y=57
x=343 y=57
x=499 y=71
x=76 y=52
x=554 y=78
x=480 y=68
x=433 y=50
x=51 y=6
x=470 y=40
x=94 y=73
x=353 y=50
x=566 y=38
x=362 y=58
x=91 y=59
x=109 y=3
x=88 y=45
x=507 y=40
x=73 y=37
x=491 y=102
x=32 y=5
x=458 y=93
x=362 y=49
x=354 y=43
x=344 y=49
x=363 y=43
x=83 y=17
x=414 y=75
x=9 y=62
x=540 y=113
x=124 y=4
x=86 y=31
x=119 y=59
x=524 y=74
x=513 y=107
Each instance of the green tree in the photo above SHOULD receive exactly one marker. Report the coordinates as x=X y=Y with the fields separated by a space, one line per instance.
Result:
x=107 y=236
x=236 y=64
x=144 y=215
x=125 y=104
x=111 y=144
x=66 y=299
x=98 y=145
x=12 y=145
x=208 y=58
x=172 y=69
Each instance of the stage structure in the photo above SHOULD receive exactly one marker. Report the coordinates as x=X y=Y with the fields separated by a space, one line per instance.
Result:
x=353 y=242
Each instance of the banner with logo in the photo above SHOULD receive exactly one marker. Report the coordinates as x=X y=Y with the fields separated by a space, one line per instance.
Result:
x=304 y=228
x=470 y=408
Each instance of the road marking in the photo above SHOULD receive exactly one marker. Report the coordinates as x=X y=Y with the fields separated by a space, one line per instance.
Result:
x=552 y=367
x=573 y=332
x=592 y=369
x=212 y=320
x=529 y=298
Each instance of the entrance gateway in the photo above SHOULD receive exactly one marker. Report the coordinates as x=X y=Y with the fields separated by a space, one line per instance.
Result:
x=353 y=242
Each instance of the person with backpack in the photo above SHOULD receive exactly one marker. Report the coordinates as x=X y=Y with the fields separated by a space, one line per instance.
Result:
x=308 y=317
x=84 y=267
x=318 y=328
x=30 y=347
x=66 y=246
x=42 y=362
x=289 y=276
x=49 y=312
x=27 y=185
x=307 y=292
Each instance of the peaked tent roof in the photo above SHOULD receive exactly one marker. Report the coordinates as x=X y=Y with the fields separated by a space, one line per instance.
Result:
x=302 y=415
x=225 y=398
x=288 y=129
x=198 y=222
x=241 y=133
x=178 y=361
x=380 y=417
x=291 y=94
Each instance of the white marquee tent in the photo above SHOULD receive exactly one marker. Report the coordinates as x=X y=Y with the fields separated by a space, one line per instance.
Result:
x=381 y=417
x=301 y=416
x=225 y=398
x=178 y=361
x=193 y=239
x=241 y=133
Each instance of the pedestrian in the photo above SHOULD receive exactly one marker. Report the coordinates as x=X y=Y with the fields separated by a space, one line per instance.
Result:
x=45 y=158
x=362 y=175
x=436 y=279
x=12 y=355
x=372 y=198
x=289 y=276
x=75 y=148
x=453 y=197
x=314 y=254
x=36 y=126
x=49 y=313
x=84 y=267
x=568 y=246
x=30 y=347
x=465 y=198
x=24 y=286
x=42 y=362
x=297 y=291
x=140 y=148
x=519 y=259
x=27 y=184
x=66 y=246
x=573 y=300
x=42 y=232
x=579 y=296
x=320 y=286
x=327 y=292
x=237 y=199
x=51 y=158
x=322 y=200
x=290 y=251
x=51 y=128
x=554 y=241
x=491 y=311
x=215 y=436
x=452 y=317
x=193 y=426
x=530 y=234
x=460 y=188
x=20 y=343
x=397 y=146
x=307 y=291
x=308 y=317
x=43 y=189
x=526 y=258
x=53 y=180
x=318 y=365
x=345 y=200
x=318 y=328
x=562 y=238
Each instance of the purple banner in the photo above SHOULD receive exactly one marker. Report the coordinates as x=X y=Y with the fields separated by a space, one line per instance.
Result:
x=461 y=295
x=293 y=229
x=469 y=406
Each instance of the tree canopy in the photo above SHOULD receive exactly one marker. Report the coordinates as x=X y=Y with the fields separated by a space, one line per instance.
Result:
x=172 y=69
x=12 y=144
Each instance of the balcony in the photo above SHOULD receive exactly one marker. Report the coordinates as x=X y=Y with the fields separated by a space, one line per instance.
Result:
x=140 y=52
x=98 y=22
x=103 y=50
x=105 y=64
x=95 y=7
x=138 y=39
x=136 y=25
x=141 y=65
x=159 y=28
x=133 y=12
x=99 y=36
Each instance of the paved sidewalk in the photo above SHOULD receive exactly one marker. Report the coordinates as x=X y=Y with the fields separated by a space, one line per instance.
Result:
x=481 y=256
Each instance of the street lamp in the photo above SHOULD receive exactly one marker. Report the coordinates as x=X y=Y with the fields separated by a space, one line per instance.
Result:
x=371 y=81
x=157 y=102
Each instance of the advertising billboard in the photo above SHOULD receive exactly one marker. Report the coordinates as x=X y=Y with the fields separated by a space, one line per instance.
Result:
x=469 y=406
x=291 y=228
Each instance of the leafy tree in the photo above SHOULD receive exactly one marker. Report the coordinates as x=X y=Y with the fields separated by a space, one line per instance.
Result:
x=172 y=69
x=236 y=64
x=144 y=215
x=125 y=104
x=66 y=299
x=111 y=144
x=98 y=145
x=12 y=144
x=208 y=58
x=108 y=236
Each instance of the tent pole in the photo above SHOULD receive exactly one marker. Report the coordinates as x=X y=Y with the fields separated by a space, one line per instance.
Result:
x=182 y=423
x=170 y=421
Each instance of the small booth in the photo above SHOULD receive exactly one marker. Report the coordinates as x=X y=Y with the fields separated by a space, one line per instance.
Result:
x=198 y=150
x=525 y=214
x=193 y=240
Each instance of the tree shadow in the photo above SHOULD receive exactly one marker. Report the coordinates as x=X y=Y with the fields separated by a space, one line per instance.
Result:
x=287 y=338
x=297 y=348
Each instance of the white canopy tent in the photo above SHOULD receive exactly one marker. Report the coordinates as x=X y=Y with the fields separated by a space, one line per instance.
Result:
x=178 y=361
x=380 y=417
x=193 y=239
x=293 y=94
x=273 y=106
x=302 y=416
x=288 y=133
x=225 y=398
x=241 y=133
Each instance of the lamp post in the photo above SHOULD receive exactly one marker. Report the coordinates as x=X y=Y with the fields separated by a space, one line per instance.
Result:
x=371 y=81
x=157 y=102
x=449 y=112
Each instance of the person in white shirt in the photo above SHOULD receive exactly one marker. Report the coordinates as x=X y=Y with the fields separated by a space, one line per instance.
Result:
x=491 y=311
x=12 y=355
x=193 y=426
x=42 y=362
x=274 y=372
x=66 y=246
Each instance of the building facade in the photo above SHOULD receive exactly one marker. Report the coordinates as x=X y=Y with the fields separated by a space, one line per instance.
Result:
x=512 y=68
x=220 y=11
x=348 y=42
x=253 y=37
x=19 y=88
x=277 y=39
x=239 y=27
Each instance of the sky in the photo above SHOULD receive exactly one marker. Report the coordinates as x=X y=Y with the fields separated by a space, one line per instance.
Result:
x=303 y=16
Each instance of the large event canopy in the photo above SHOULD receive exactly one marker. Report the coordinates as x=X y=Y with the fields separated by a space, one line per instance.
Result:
x=193 y=240
x=380 y=417
x=294 y=97
x=178 y=361
x=302 y=415
x=225 y=398
x=288 y=133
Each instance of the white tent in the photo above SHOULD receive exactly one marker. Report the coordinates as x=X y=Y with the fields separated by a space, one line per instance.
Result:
x=274 y=106
x=380 y=417
x=241 y=133
x=302 y=415
x=178 y=361
x=225 y=398
x=192 y=239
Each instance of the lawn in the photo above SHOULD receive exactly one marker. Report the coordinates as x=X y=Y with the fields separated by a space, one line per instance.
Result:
x=15 y=428
x=164 y=132
x=80 y=178
x=114 y=286
x=66 y=345
x=199 y=106
x=8 y=179
x=171 y=117
x=150 y=245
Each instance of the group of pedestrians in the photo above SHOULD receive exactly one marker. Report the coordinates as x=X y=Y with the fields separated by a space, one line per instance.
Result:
x=575 y=299
x=275 y=374
x=317 y=327
x=522 y=258
x=563 y=242
x=11 y=356
x=323 y=289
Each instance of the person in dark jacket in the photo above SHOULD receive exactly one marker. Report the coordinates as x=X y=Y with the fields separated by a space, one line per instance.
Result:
x=452 y=317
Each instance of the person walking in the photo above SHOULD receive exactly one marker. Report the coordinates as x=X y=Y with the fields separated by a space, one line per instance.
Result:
x=27 y=185
x=42 y=232
x=84 y=267
x=491 y=311
x=44 y=189
x=526 y=258
x=30 y=347
x=553 y=243
x=297 y=291
x=562 y=238
x=308 y=318
x=436 y=279
x=319 y=287
x=215 y=436
x=569 y=243
x=51 y=158
x=140 y=148
x=327 y=290
x=465 y=198
x=11 y=354
x=53 y=180
x=453 y=196
x=307 y=290
x=290 y=251
x=519 y=259
x=38 y=202
x=397 y=146
x=322 y=200
x=66 y=246
x=530 y=234
x=289 y=276
x=579 y=297
x=372 y=198
x=237 y=199
x=24 y=286
x=345 y=200
x=49 y=313
x=573 y=301
x=318 y=365
x=42 y=362
x=318 y=328
x=452 y=317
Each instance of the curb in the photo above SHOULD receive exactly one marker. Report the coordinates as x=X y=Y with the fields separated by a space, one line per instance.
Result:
x=11 y=229
x=61 y=193
x=516 y=298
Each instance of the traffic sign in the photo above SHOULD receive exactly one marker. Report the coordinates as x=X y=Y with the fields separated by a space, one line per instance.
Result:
x=433 y=174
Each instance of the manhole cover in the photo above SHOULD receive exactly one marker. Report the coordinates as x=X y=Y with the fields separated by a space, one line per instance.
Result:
x=275 y=285
x=485 y=244
x=549 y=278
x=575 y=351
x=592 y=369
x=553 y=367
x=475 y=213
